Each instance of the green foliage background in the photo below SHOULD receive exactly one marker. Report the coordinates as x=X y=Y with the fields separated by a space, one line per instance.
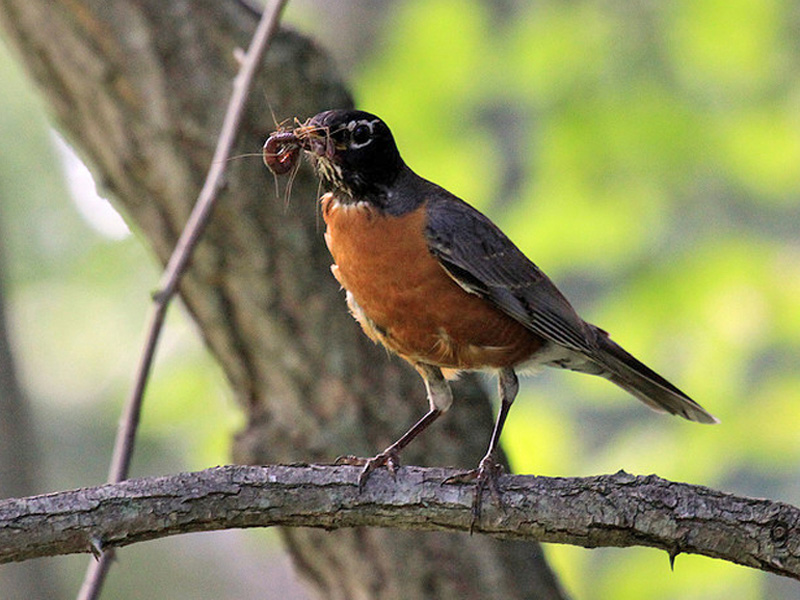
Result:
x=645 y=154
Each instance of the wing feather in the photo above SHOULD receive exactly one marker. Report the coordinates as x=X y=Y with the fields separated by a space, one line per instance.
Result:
x=481 y=258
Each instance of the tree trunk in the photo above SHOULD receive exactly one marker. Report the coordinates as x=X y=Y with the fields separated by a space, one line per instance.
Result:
x=139 y=87
x=19 y=459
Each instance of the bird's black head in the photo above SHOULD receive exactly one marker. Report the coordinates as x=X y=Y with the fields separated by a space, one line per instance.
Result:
x=352 y=151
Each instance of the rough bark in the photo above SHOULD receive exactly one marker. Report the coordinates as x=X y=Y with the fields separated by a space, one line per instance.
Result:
x=606 y=510
x=139 y=88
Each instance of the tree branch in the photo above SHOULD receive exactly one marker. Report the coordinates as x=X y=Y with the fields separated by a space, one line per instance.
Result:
x=608 y=510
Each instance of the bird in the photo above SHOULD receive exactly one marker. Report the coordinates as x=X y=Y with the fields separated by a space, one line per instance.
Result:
x=436 y=282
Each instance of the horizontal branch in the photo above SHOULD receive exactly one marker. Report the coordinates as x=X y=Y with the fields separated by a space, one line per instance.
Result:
x=607 y=510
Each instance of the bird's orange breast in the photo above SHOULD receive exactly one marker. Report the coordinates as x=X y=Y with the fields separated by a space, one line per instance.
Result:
x=403 y=297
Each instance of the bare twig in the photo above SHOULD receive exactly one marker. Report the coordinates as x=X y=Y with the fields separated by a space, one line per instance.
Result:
x=608 y=510
x=126 y=433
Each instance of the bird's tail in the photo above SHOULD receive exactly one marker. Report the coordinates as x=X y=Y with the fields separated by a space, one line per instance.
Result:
x=645 y=384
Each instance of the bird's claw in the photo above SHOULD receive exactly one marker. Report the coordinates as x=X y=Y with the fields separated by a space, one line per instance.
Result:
x=350 y=460
x=388 y=458
x=486 y=476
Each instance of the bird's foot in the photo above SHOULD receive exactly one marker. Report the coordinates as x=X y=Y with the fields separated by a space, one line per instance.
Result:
x=389 y=458
x=486 y=476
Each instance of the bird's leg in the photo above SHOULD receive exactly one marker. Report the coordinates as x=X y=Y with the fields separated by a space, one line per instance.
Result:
x=489 y=469
x=440 y=397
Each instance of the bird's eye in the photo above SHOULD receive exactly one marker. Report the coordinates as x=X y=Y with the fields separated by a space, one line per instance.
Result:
x=362 y=135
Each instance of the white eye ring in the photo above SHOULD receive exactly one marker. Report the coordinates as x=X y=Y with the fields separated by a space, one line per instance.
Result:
x=356 y=128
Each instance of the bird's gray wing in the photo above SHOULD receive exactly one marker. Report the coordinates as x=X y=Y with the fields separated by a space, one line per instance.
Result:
x=481 y=258
x=483 y=261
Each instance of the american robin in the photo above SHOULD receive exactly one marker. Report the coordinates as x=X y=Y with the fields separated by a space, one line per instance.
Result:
x=439 y=284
